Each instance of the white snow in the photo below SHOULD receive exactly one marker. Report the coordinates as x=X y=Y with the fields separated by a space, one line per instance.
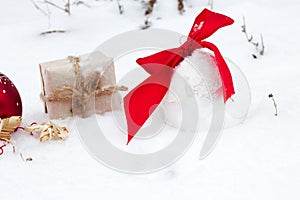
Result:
x=259 y=159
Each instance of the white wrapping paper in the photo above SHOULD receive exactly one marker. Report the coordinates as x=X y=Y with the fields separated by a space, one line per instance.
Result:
x=61 y=76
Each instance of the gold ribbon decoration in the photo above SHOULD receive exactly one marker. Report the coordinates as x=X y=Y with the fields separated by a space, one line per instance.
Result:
x=9 y=125
x=48 y=131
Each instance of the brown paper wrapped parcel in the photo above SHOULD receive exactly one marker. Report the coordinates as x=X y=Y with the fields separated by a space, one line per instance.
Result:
x=80 y=86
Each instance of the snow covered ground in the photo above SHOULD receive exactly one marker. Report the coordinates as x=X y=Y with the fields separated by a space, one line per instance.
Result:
x=259 y=159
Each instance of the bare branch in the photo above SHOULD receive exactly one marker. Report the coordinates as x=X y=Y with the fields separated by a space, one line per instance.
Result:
x=38 y=8
x=49 y=16
x=211 y=4
x=250 y=39
x=121 y=7
x=150 y=5
x=68 y=7
x=77 y=3
x=262 y=51
x=52 y=31
x=147 y=24
x=180 y=6
x=244 y=30
x=274 y=103
x=21 y=155
x=25 y=160
x=56 y=6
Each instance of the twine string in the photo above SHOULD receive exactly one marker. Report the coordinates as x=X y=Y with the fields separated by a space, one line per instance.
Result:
x=84 y=90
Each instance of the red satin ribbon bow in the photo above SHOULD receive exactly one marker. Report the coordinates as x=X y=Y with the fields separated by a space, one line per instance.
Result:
x=141 y=101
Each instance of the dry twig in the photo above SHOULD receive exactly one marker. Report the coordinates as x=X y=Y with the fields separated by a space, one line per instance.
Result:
x=77 y=3
x=150 y=5
x=274 y=103
x=250 y=39
x=52 y=31
x=147 y=24
x=262 y=51
x=25 y=160
x=211 y=4
x=244 y=30
x=56 y=6
x=68 y=7
x=39 y=8
x=120 y=7
x=180 y=6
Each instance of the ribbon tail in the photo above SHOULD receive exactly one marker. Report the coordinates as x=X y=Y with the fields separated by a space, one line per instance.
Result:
x=227 y=83
x=141 y=102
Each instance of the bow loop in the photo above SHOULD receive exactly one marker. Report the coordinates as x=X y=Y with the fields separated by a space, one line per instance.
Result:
x=207 y=23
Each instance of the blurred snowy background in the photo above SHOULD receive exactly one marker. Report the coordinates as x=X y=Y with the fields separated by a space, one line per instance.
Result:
x=259 y=159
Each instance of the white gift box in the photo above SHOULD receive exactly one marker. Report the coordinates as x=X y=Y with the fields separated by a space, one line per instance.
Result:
x=78 y=85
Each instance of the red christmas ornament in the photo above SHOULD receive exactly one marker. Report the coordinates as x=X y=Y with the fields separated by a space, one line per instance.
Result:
x=10 y=100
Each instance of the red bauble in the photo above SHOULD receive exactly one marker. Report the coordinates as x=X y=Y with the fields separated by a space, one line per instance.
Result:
x=10 y=100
